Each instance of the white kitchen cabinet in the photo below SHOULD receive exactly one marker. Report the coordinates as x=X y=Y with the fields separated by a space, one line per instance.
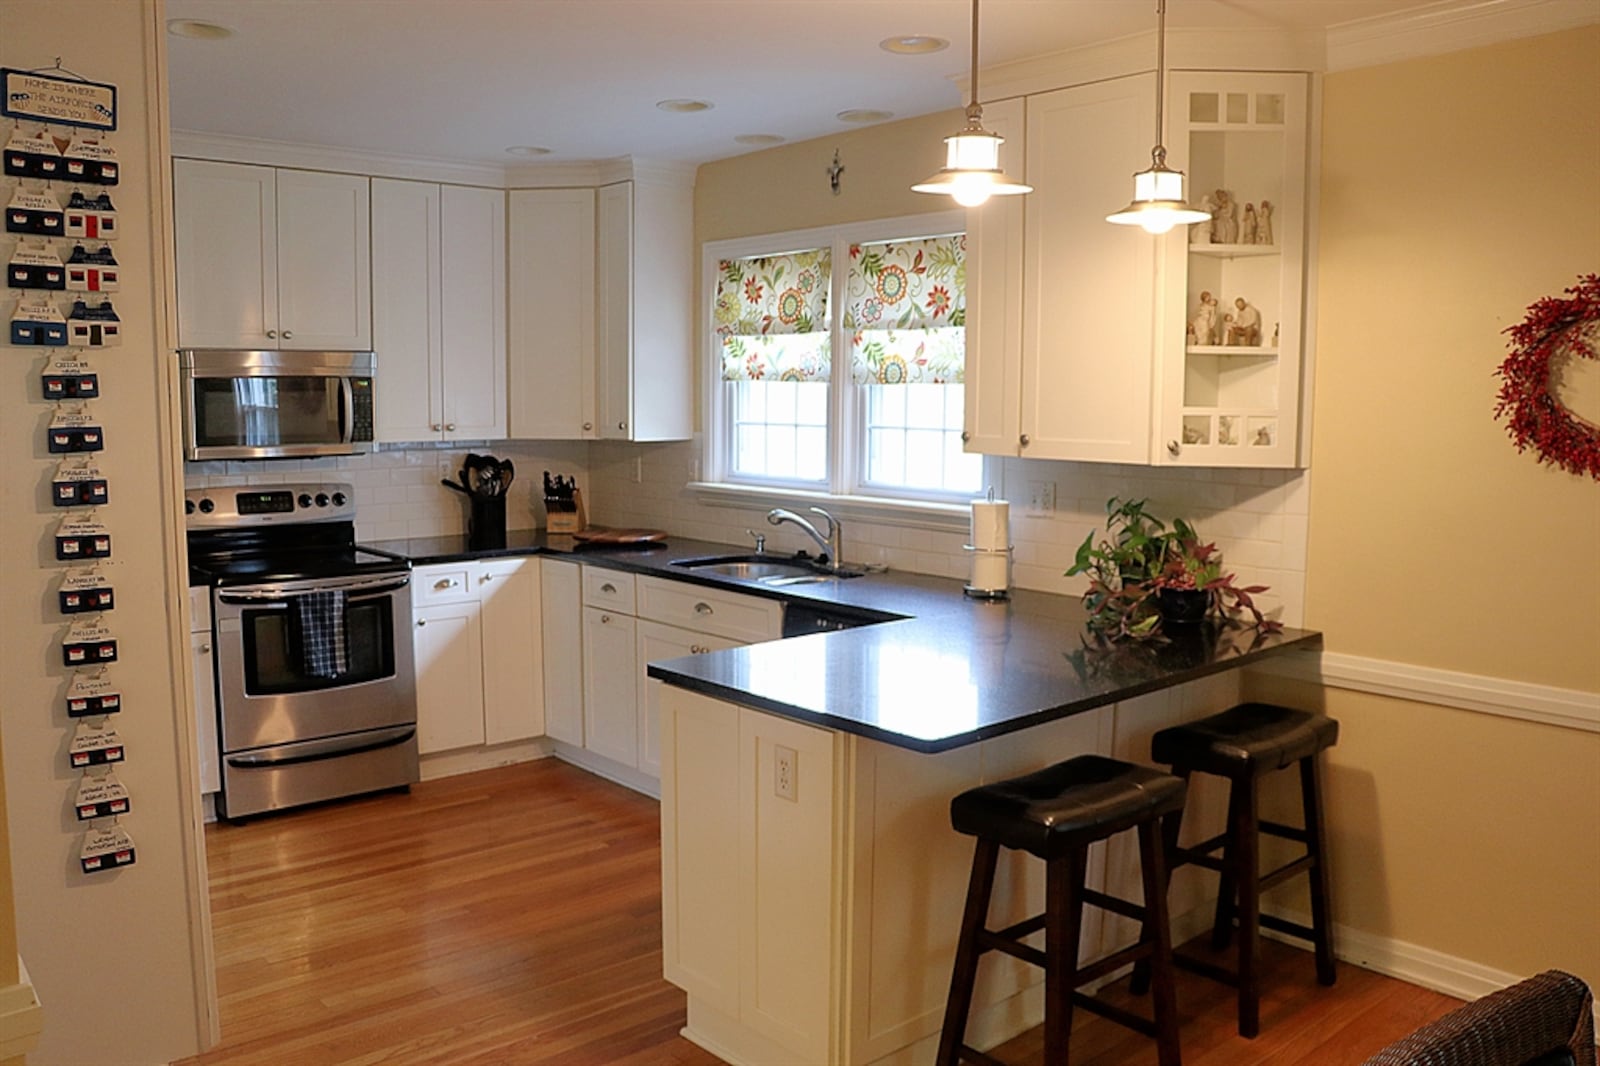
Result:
x=644 y=307
x=203 y=659
x=561 y=608
x=513 y=649
x=551 y=246
x=438 y=304
x=610 y=685
x=658 y=641
x=270 y=258
x=1233 y=398
x=448 y=643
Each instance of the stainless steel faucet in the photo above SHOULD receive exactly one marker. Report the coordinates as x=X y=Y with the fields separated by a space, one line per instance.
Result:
x=831 y=542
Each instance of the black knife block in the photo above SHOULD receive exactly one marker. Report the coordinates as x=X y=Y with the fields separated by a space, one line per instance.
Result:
x=486 y=525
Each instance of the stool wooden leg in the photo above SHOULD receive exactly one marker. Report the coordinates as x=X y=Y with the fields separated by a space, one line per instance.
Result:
x=1222 y=928
x=965 y=971
x=1063 y=908
x=1246 y=844
x=1139 y=983
x=1157 y=931
x=1317 y=846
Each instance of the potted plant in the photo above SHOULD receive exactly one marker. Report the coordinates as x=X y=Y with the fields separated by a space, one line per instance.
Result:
x=1143 y=575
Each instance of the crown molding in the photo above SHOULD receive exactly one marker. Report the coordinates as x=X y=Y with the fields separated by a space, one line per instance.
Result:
x=189 y=144
x=1451 y=26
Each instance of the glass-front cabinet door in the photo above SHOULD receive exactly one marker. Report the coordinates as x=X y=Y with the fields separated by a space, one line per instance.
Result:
x=1231 y=354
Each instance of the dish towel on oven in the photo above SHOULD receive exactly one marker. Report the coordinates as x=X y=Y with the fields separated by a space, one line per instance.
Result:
x=322 y=647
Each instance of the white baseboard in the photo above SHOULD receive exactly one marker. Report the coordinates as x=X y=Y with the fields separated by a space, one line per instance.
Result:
x=21 y=1016
x=467 y=760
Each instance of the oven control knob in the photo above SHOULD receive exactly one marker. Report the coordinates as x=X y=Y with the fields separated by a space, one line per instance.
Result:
x=206 y=506
x=188 y=507
x=338 y=499
x=304 y=499
x=322 y=499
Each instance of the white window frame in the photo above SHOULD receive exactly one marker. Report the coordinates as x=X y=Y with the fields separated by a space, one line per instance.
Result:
x=846 y=438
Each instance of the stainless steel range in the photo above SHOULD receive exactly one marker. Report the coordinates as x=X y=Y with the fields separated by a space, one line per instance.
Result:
x=315 y=683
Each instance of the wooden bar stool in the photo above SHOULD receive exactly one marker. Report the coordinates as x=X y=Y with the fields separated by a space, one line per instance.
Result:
x=1244 y=744
x=1055 y=814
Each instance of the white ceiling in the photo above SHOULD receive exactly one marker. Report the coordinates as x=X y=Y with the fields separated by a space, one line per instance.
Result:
x=460 y=80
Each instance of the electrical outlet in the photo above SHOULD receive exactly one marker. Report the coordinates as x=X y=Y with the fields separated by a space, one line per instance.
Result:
x=1041 y=497
x=786 y=773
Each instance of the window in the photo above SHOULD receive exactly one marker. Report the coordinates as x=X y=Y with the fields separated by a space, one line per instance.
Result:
x=882 y=419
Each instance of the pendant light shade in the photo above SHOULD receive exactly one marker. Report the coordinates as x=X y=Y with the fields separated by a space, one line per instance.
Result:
x=972 y=171
x=1158 y=202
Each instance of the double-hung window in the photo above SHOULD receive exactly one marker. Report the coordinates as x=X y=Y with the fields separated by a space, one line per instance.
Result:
x=838 y=359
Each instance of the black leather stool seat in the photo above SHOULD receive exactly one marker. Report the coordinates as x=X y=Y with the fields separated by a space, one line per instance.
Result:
x=1067 y=805
x=1251 y=738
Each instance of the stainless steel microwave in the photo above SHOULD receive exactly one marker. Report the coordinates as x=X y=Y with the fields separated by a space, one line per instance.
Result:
x=270 y=405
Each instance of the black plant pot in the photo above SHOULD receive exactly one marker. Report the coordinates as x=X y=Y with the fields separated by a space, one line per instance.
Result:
x=1182 y=606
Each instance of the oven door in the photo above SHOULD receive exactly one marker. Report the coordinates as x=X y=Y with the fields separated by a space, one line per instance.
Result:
x=265 y=694
x=261 y=405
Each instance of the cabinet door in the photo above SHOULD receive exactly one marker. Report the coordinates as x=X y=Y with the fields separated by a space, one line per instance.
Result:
x=225 y=218
x=448 y=642
x=561 y=614
x=610 y=686
x=661 y=368
x=513 y=654
x=614 y=385
x=473 y=277
x=405 y=309
x=994 y=301
x=1089 y=295
x=657 y=641
x=551 y=239
x=324 y=262
x=205 y=711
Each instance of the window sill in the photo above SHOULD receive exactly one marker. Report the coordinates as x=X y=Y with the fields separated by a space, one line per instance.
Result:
x=915 y=514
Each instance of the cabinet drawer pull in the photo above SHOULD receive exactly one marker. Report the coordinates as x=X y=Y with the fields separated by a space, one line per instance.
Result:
x=445 y=583
x=288 y=334
x=702 y=608
x=609 y=588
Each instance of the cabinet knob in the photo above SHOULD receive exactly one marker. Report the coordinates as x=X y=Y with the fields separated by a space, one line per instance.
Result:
x=965 y=436
x=1025 y=440
x=288 y=334
x=1173 y=447
x=695 y=649
x=205 y=649
x=271 y=333
x=437 y=427
x=449 y=427
x=605 y=619
x=587 y=426
x=702 y=608
x=622 y=425
x=421 y=622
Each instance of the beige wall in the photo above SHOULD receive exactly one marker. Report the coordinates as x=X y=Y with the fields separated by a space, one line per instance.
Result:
x=1456 y=191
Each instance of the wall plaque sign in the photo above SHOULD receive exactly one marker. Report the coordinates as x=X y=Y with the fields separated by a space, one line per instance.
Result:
x=45 y=97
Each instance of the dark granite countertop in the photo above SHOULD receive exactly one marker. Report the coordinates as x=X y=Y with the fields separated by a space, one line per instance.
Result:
x=941 y=672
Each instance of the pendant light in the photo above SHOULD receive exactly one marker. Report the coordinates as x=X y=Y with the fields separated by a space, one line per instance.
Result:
x=1158 y=202
x=972 y=171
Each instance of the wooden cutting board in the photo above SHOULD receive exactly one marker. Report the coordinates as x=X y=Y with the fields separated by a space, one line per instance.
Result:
x=619 y=536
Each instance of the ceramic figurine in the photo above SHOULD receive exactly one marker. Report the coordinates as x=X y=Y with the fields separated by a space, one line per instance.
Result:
x=1224 y=218
x=1263 y=438
x=1275 y=334
x=1204 y=326
x=1264 y=223
x=1244 y=325
x=1247 y=232
x=1193 y=434
x=1228 y=430
x=1200 y=232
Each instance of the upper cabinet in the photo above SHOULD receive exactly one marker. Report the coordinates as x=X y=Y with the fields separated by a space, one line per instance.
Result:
x=438 y=309
x=552 y=254
x=270 y=258
x=1080 y=332
x=1232 y=332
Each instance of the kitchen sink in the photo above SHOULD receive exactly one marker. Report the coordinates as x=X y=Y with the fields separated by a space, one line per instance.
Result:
x=765 y=569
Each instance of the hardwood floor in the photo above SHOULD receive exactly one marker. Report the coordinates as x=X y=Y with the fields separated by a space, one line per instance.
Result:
x=513 y=916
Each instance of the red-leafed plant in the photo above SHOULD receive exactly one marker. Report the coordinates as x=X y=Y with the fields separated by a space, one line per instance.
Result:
x=1138 y=556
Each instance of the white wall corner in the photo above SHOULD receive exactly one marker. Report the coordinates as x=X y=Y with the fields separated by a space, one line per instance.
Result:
x=1451 y=26
x=21 y=1016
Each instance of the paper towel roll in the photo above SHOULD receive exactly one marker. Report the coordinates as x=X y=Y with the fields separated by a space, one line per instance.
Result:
x=991 y=525
x=989 y=571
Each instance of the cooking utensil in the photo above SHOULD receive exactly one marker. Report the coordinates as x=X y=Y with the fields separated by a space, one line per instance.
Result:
x=452 y=485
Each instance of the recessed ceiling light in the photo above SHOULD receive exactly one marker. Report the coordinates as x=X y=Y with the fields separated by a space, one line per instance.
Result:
x=527 y=149
x=913 y=44
x=759 y=140
x=684 y=107
x=200 y=31
x=863 y=115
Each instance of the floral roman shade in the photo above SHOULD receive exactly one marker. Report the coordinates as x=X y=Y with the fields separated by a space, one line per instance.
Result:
x=906 y=311
x=771 y=315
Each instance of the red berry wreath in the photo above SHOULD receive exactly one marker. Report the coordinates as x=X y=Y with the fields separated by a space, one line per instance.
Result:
x=1555 y=329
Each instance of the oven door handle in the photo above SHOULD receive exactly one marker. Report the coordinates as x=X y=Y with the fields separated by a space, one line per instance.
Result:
x=332 y=748
x=259 y=593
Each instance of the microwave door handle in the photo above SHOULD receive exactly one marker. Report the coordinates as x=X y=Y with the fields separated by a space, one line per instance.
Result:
x=347 y=409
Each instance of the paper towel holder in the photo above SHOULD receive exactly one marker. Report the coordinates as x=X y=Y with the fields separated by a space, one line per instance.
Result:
x=1002 y=593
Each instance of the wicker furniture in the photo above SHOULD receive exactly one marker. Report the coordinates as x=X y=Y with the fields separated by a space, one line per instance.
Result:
x=1545 y=1020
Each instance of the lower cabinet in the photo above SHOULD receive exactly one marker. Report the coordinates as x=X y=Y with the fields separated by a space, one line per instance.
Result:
x=205 y=688
x=610 y=685
x=657 y=641
x=561 y=604
x=476 y=634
